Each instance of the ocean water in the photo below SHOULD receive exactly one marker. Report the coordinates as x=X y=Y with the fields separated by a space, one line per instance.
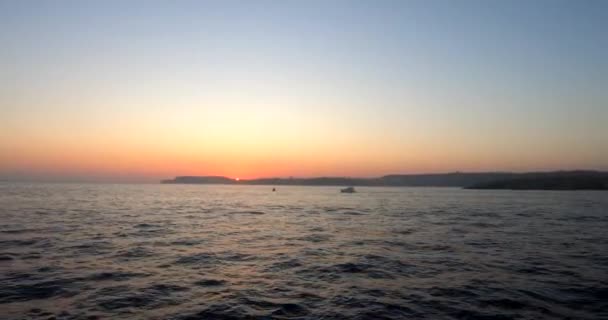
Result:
x=99 y=251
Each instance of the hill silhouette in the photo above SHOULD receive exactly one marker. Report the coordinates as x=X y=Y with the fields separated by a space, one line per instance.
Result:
x=575 y=180
x=555 y=180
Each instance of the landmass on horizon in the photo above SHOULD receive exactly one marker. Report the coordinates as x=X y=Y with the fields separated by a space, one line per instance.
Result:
x=553 y=180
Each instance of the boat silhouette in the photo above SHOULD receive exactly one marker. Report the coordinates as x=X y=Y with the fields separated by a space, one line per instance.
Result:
x=348 y=190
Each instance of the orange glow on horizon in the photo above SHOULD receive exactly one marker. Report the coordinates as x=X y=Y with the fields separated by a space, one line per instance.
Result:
x=154 y=152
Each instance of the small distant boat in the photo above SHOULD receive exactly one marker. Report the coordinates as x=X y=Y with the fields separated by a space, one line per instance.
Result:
x=348 y=190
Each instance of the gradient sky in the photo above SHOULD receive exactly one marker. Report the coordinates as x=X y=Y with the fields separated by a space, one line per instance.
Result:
x=138 y=90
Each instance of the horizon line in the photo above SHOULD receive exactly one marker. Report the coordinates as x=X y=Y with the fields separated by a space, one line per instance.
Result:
x=151 y=179
x=399 y=174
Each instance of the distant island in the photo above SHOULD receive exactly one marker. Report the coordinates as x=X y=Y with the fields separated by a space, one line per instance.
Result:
x=567 y=180
x=554 y=180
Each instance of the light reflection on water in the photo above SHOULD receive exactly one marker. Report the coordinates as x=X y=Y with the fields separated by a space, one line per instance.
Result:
x=80 y=251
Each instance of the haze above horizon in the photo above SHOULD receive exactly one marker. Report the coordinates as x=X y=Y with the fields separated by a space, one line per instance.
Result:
x=146 y=90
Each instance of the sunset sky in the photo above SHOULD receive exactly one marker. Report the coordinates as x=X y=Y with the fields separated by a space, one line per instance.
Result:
x=143 y=90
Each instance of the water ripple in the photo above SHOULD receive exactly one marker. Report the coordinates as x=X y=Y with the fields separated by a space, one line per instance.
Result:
x=70 y=251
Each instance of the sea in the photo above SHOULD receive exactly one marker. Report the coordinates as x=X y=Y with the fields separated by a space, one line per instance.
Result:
x=152 y=251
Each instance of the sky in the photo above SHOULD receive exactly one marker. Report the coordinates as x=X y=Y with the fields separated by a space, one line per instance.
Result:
x=143 y=90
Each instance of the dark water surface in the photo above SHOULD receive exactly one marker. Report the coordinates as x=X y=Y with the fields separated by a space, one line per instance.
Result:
x=90 y=251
